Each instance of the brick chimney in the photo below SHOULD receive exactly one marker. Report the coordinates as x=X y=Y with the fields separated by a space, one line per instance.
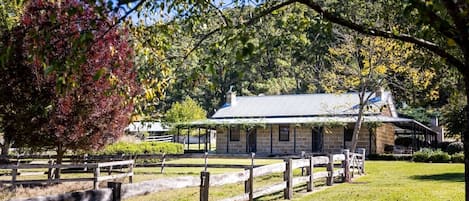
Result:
x=231 y=97
x=379 y=92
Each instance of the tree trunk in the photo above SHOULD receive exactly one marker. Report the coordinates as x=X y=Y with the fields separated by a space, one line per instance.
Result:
x=5 y=147
x=60 y=155
x=465 y=134
x=4 y=152
x=357 y=127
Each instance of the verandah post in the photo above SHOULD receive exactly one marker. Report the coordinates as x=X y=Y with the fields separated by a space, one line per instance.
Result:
x=251 y=177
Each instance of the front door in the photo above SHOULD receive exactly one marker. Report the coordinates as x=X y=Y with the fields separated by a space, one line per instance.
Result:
x=251 y=140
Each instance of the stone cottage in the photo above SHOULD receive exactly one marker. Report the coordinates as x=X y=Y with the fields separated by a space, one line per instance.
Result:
x=313 y=123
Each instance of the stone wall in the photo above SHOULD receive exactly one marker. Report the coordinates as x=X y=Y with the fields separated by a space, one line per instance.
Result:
x=384 y=135
x=333 y=140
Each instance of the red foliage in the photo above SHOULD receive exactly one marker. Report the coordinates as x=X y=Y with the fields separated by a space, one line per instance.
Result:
x=81 y=70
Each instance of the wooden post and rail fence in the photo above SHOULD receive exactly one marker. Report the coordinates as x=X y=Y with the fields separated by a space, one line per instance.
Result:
x=338 y=166
x=54 y=171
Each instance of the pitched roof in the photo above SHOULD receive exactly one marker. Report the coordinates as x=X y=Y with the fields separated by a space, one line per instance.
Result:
x=138 y=126
x=301 y=105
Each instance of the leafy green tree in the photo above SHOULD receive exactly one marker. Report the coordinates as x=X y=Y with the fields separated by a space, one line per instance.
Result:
x=185 y=111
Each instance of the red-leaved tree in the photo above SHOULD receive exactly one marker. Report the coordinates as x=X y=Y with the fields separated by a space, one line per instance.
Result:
x=69 y=80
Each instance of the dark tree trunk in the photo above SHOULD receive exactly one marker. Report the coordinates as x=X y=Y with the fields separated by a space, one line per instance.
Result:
x=465 y=134
x=5 y=148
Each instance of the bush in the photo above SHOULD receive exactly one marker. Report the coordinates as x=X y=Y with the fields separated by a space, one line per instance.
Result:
x=455 y=147
x=439 y=157
x=143 y=148
x=457 y=157
x=422 y=156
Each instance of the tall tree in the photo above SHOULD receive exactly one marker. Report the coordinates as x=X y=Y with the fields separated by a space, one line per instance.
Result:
x=366 y=64
x=68 y=80
x=438 y=26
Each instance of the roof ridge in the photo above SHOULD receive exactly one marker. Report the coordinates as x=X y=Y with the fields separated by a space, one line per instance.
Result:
x=315 y=94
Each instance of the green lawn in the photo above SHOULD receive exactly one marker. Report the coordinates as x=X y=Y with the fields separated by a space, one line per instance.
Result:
x=400 y=181
x=385 y=180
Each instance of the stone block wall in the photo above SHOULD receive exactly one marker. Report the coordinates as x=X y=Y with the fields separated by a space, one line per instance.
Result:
x=333 y=140
x=233 y=146
x=384 y=135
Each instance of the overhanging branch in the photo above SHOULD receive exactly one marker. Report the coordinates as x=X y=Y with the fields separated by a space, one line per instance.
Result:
x=334 y=18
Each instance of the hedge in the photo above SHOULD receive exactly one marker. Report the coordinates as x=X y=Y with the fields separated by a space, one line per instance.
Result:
x=437 y=156
x=143 y=148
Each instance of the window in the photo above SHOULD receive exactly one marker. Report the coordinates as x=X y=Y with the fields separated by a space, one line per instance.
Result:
x=284 y=132
x=234 y=133
x=348 y=134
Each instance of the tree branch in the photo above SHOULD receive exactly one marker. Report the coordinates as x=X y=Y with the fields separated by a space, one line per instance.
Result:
x=441 y=25
x=460 y=22
x=334 y=18
x=247 y=23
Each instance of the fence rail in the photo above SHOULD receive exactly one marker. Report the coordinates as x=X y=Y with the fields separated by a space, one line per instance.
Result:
x=54 y=171
x=159 y=138
x=349 y=163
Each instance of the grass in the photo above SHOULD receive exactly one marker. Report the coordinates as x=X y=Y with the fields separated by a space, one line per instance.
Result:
x=399 y=180
x=385 y=180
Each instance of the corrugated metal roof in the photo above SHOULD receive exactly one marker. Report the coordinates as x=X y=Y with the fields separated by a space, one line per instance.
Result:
x=146 y=126
x=299 y=105
x=300 y=120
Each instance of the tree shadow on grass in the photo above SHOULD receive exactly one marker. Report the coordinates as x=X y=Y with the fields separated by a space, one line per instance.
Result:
x=453 y=177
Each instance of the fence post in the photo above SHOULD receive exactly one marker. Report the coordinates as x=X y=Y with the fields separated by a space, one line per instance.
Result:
x=116 y=190
x=246 y=183
x=346 y=166
x=330 y=170
x=362 y=152
x=49 y=172
x=131 y=169
x=14 y=172
x=163 y=161
x=310 y=173
x=85 y=161
x=288 y=178
x=96 y=176
x=303 y=153
x=204 y=185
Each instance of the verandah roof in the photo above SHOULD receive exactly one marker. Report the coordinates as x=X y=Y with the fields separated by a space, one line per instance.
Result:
x=308 y=120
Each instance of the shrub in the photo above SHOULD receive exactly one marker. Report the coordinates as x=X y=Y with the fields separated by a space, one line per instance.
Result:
x=143 y=148
x=458 y=157
x=455 y=147
x=439 y=157
x=422 y=155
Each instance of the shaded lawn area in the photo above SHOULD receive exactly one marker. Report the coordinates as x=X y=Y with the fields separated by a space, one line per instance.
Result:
x=397 y=180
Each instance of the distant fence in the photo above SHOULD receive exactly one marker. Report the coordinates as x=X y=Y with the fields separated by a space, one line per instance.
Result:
x=159 y=138
x=54 y=171
x=343 y=166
